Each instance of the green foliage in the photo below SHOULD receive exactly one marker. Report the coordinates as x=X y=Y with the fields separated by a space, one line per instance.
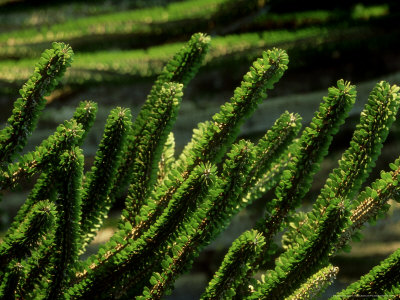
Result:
x=22 y=122
x=312 y=147
x=235 y=265
x=295 y=181
x=154 y=122
x=67 y=232
x=211 y=138
x=174 y=207
x=22 y=241
x=47 y=154
x=10 y=281
x=99 y=181
x=379 y=280
x=358 y=160
x=316 y=284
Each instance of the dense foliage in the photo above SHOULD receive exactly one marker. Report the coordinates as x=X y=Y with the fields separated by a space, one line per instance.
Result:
x=175 y=206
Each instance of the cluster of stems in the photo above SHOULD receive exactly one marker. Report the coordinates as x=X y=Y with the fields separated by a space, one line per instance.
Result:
x=176 y=205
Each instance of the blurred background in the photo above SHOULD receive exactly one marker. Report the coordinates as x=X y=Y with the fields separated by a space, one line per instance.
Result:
x=121 y=46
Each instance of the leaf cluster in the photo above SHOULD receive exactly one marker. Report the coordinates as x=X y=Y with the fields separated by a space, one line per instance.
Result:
x=175 y=206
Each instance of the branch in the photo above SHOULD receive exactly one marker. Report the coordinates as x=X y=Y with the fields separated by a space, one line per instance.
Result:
x=180 y=69
x=22 y=241
x=381 y=278
x=316 y=284
x=96 y=200
x=67 y=234
x=47 y=154
x=50 y=68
